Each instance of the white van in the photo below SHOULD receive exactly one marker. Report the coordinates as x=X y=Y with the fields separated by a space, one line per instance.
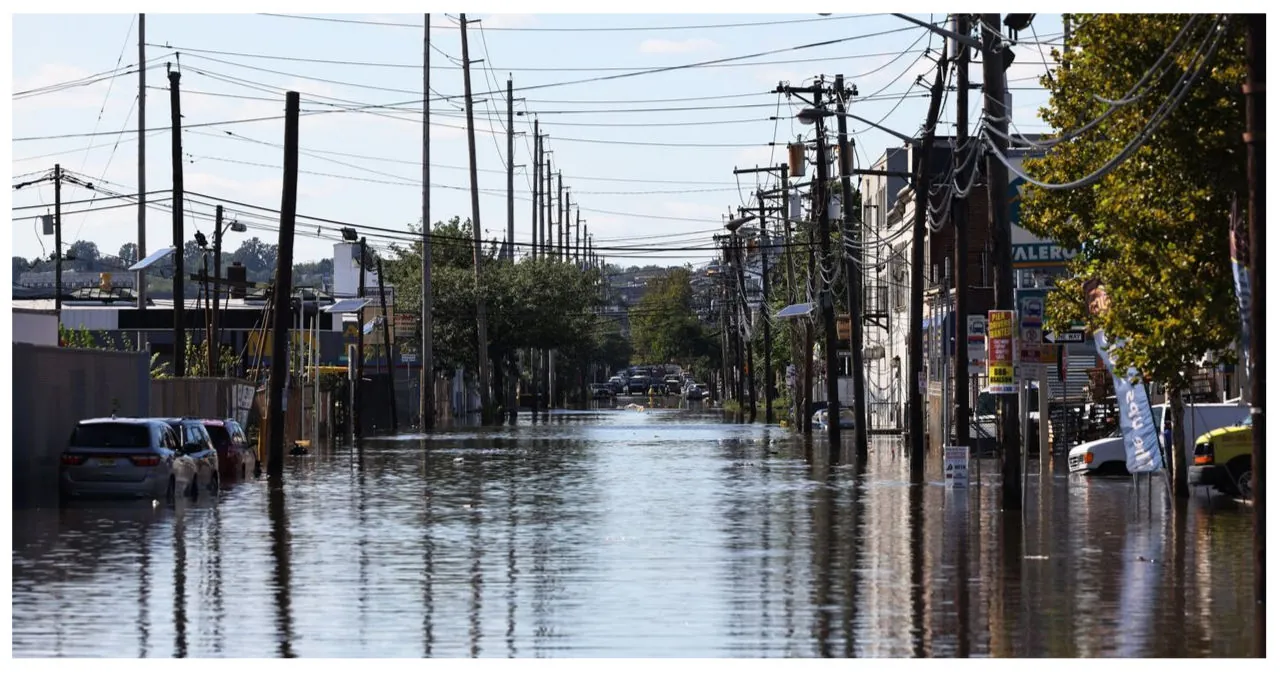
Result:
x=1106 y=455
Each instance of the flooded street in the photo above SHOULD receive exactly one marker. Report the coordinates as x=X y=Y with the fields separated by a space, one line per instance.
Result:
x=662 y=533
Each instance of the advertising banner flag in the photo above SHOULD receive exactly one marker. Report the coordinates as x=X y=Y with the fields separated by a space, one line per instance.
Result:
x=1137 y=423
x=1000 y=352
x=1239 y=239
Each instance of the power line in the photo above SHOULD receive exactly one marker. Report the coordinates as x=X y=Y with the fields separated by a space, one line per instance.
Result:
x=592 y=29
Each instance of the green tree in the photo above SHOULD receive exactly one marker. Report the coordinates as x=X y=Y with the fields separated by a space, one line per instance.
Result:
x=1152 y=232
x=664 y=326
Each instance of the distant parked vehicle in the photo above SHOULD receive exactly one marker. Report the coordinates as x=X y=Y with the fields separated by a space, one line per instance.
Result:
x=602 y=392
x=236 y=458
x=1108 y=456
x=197 y=445
x=672 y=383
x=1223 y=460
x=617 y=384
x=695 y=392
x=125 y=457
x=638 y=385
x=847 y=419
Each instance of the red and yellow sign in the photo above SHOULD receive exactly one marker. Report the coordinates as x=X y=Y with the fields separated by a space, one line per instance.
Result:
x=1000 y=375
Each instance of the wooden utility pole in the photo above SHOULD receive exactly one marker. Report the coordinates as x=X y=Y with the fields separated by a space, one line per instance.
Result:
x=560 y=211
x=826 y=292
x=537 y=189
x=57 y=241
x=1256 y=156
x=179 y=329
x=915 y=369
x=994 y=87
x=427 y=397
x=960 y=220
x=749 y=374
x=281 y=291
x=482 y=323
x=141 y=281
x=765 y=243
x=546 y=221
x=511 y=175
x=357 y=412
x=853 y=274
x=386 y=345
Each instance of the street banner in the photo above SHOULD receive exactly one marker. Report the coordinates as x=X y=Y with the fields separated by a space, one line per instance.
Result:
x=955 y=467
x=1000 y=352
x=1239 y=239
x=1137 y=421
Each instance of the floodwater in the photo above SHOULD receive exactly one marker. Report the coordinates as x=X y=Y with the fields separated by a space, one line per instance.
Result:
x=657 y=533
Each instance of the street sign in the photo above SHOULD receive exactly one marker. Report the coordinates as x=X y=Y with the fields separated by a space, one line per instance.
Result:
x=1000 y=352
x=955 y=466
x=1030 y=325
x=406 y=322
x=976 y=329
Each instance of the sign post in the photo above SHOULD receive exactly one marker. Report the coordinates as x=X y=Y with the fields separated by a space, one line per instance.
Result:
x=1000 y=352
x=955 y=467
x=976 y=337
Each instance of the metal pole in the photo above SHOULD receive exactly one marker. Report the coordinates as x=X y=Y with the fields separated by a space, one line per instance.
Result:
x=853 y=274
x=560 y=211
x=357 y=411
x=386 y=345
x=995 y=86
x=1256 y=156
x=281 y=292
x=537 y=191
x=915 y=357
x=141 y=282
x=960 y=219
x=427 y=398
x=179 y=329
x=482 y=327
x=546 y=221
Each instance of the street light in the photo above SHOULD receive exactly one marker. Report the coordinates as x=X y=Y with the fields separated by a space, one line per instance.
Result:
x=812 y=115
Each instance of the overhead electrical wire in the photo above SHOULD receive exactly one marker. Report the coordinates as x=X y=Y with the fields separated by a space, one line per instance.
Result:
x=580 y=29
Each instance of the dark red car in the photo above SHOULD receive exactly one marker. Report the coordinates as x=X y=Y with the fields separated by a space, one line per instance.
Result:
x=237 y=460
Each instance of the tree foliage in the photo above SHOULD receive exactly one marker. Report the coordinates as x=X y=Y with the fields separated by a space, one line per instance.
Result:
x=1152 y=232
x=664 y=326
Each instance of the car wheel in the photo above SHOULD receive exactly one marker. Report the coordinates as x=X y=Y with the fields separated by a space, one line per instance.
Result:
x=1239 y=481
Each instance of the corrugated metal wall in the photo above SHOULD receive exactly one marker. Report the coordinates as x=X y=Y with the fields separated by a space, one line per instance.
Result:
x=53 y=388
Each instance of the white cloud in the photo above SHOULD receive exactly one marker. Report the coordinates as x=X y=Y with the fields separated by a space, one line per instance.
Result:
x=661 y=46
x=509 y=21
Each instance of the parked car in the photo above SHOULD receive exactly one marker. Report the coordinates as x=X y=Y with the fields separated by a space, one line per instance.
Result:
x=601 y=392
x=847 y=419
x=617 y=384
x=1107 y=455
x=236 y=458
x=695 y=392
x=638 y=385
x=197 y=445
x=672 y=383
x=1223 y=460
x=125 y=457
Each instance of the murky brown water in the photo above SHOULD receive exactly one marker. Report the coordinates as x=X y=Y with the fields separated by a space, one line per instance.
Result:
x=631 y=534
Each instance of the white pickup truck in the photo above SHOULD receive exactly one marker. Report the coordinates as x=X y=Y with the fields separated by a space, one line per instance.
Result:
x=1107 y=455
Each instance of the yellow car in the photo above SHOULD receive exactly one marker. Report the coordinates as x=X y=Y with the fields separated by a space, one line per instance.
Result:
x=1223 y=460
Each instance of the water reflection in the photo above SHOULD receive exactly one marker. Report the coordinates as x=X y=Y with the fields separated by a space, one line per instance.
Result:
x=618 y=533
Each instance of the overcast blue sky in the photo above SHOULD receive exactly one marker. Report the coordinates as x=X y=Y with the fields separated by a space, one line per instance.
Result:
x=633 y=174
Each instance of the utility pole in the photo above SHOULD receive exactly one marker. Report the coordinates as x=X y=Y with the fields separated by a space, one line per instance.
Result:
x=577 y=237
x=994 y=87
x=211 y=340
x=915 y=369
x=386 y=344
x=537 y=188
x=767 y=241
x=427 y=399
x=827 y=294
x=141 y=282
x=281 y=291
x=511 y=175
x=357 y=412
x=1256 y=156
x=560 y=211
x=57 y=240
x=546 y=221
x=749 y=375
x=853 y=275
x=482 y=324
x=960 y=220
x=179 y=329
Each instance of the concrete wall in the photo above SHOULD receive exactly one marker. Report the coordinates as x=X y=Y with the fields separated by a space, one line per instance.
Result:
x=53 y=389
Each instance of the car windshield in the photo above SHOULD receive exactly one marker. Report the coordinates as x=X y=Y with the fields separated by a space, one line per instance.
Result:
x=111 y=436
x=219 y=435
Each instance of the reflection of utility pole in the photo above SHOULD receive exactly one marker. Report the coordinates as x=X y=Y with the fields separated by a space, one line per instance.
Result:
x=994 y=88
x=1255 y=153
